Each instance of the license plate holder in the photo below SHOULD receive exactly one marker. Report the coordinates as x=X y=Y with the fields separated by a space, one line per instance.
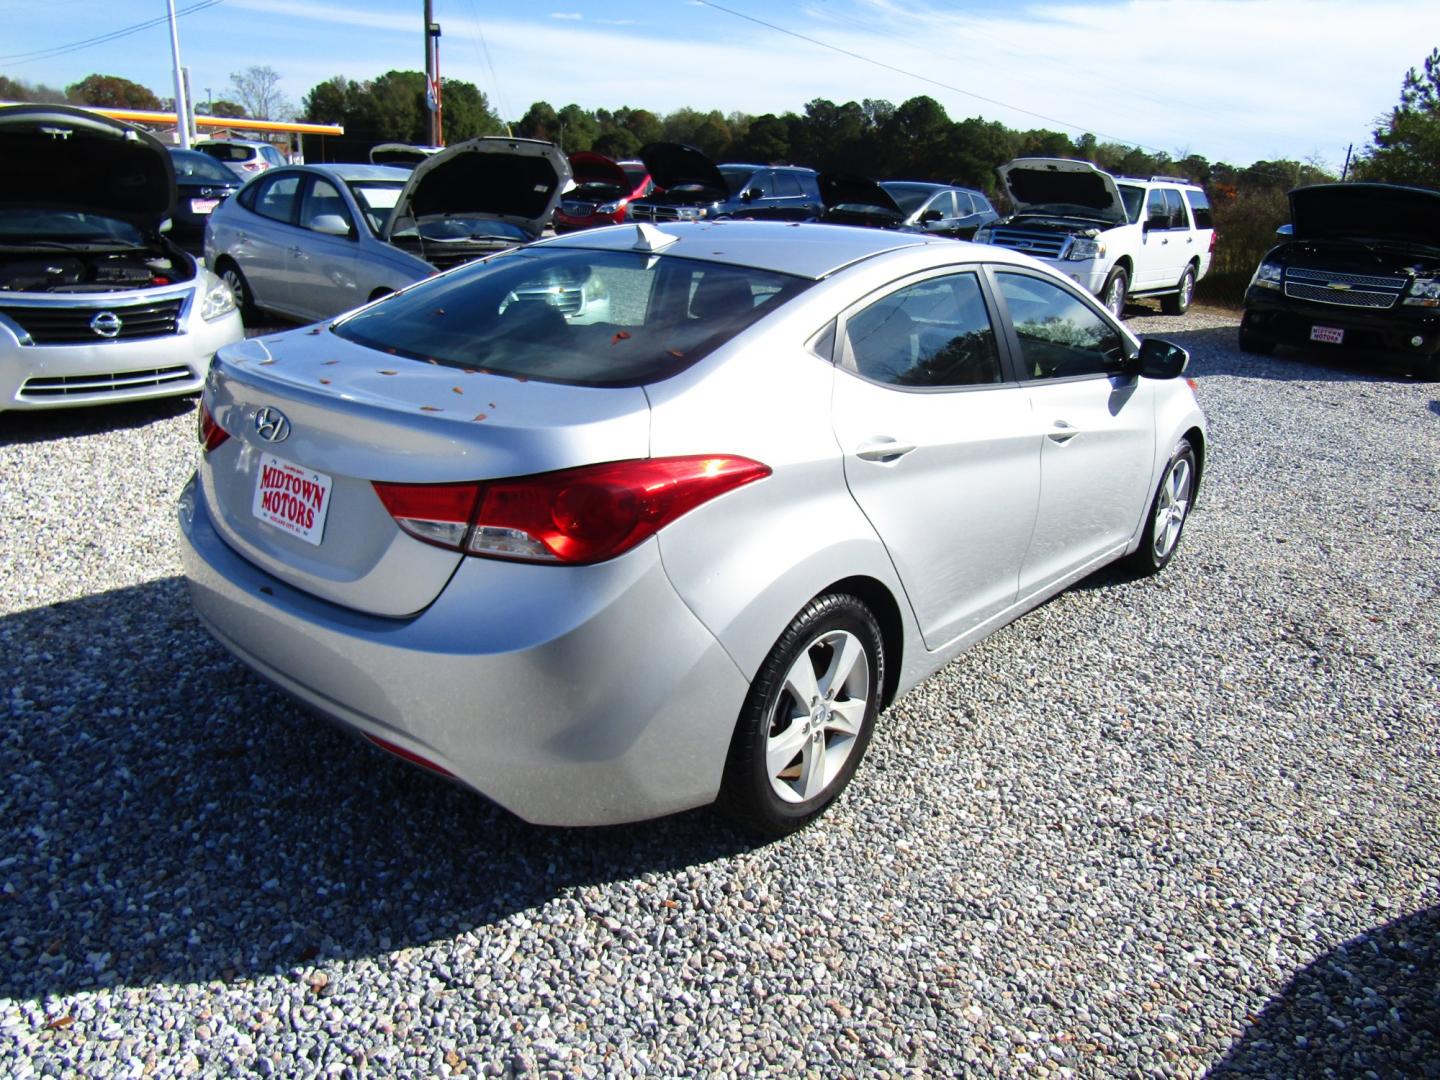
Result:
x=1330 y=335
x=292 y=499
x=203 y=206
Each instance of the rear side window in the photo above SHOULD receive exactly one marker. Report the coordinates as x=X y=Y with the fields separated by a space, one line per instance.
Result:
x=786 y=184
x=935 y=333
x=1200 y=208
x=273 y=156
x=586 y=318
x=1178 y=220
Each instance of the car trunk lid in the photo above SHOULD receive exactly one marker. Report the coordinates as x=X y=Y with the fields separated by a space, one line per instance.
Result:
x=314 y=420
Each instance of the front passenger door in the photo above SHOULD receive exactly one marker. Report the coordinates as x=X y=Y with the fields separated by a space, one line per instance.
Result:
x=1094 y=428
x=322 y=265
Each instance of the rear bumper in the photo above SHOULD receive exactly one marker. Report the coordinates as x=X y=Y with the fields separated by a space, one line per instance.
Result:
x=584 y=696
x=62 y=376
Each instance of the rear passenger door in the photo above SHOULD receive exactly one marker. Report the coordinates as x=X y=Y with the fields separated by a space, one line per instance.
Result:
x=939 y=449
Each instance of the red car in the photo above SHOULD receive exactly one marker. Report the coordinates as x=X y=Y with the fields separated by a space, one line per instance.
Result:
x=602 y=193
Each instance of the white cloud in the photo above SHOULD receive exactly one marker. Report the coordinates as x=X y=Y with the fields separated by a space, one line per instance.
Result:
x=573 y=16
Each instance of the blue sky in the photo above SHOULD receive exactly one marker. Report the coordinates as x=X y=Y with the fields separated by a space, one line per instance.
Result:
x=1234 y=80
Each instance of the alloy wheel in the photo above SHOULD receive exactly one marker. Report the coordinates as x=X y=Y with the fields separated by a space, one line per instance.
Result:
x=818 y=716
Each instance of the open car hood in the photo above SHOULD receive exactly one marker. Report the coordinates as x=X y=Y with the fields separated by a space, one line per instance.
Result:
x=1371 y=211
x=405 y=155
x=852 y=189
x=61 y=158
x=1034 y=182
x=674 y=164
x=589 y=167
x=496 y=178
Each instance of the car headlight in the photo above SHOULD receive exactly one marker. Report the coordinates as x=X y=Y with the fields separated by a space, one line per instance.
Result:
x=1084 y=247
x=1268 y=276
x=219 y=300
x=609 y=207
x=1424 y=292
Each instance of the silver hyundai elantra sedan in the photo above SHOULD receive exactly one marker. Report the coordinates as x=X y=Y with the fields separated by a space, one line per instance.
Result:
x=636 y=519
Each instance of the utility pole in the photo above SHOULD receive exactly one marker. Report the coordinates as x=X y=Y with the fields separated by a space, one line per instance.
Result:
x=182 y=104
x=432 y=75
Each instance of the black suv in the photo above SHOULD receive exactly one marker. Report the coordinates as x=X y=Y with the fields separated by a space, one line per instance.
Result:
x=1360 y=267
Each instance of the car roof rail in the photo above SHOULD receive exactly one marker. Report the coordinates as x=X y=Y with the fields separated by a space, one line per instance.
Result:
x=1172 y=180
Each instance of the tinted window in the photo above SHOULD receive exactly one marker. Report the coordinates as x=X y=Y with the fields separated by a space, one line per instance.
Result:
x=963 y=206
x=323 y=200
x=226 y=151
x=787 y=184
x=933 y=333
x=200 y=168
x=982 y=204
x=1157 y=213
x=276 y=198
x=589 y=318
x=1134 y=198
x=273 y=156
x=736 y=177
x=1177 y=209
x=1060 y=335
x=1200 y=207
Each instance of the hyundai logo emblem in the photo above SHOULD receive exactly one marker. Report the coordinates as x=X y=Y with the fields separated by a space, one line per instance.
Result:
x=271 y=425
x=106 y=323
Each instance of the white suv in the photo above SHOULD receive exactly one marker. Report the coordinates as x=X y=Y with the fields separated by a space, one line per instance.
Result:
x=243 y=157
x=1115 y=236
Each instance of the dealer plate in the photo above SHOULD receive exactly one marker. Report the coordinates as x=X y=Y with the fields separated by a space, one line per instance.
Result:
x=203 y=206
x=1332 y=335
x=292 y=499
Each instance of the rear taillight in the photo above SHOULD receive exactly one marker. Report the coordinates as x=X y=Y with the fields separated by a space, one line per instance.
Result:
x=251 y=166
x=572 y=517
x=1214 y=239
x=211 y=433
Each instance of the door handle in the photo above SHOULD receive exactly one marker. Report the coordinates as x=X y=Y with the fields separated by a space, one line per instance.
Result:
x=882 y=448
x=1063 y=432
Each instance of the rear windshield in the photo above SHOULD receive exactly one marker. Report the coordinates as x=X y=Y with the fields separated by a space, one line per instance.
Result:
x=192 y=166
x=227 y=151
x=570 y=315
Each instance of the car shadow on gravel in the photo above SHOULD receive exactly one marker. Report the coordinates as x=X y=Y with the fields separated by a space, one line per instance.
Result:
x=1215 y=351
x=18 y=428
x=167 y=817
x=1370 y=1007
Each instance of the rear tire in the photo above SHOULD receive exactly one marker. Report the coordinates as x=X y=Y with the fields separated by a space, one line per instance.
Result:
x=240 y=288
x=1427 y=370
x=1117 y=287
x=807 y=719
x=1169 y=511
x=1179 y=303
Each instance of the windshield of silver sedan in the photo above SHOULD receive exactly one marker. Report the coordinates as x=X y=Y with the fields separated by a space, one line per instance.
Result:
x=376 y=198
x=572 y=315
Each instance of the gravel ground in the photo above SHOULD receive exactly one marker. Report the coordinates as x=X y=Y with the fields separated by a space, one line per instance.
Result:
x=1164 y=827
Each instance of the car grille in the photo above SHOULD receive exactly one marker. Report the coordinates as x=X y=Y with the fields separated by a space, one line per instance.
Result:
x=49 y=388
x=1344 y=290
x=1040 y=243
x=578 y=209
x=567 y=301
x=71 y=325
x=659 y=213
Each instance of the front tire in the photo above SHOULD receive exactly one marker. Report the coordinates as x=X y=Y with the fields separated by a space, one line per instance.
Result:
x=1169 y=511
x=1252 y=343
x=1117 y=287
x=1179 y=303
x=807 y=719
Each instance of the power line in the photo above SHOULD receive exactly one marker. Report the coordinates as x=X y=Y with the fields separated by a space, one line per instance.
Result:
x=76 y=46
x=923 y=78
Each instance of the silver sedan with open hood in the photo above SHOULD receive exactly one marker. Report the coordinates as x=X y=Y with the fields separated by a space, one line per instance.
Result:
x=691 y=548
x=311 y=241
x=96 y=303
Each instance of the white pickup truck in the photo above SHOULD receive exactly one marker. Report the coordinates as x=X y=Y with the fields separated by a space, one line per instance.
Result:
x=1115 y=236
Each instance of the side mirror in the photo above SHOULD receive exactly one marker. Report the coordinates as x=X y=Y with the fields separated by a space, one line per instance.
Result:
x=330 y=225
x=1285 y=231
x=930 y=216
x=1161 y=359
x=753 y=194
x=166 y=225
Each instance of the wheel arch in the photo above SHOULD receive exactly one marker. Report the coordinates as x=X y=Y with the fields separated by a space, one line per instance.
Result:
x=1196 y=438
x=877 y=596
